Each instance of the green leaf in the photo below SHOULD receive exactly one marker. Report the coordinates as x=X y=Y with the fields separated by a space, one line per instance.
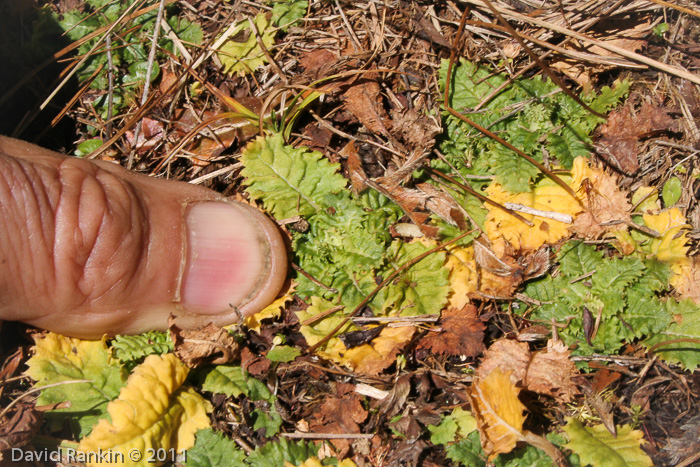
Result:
x=274 y=454
x=225 y=379
x=283 y=353
x=596 y=445
x=286 y=12
x=270 y=422
x=512 y=171
x=62 y=359
x=243 y=57
x=88 y=146
x=290 y=181
x=212 y=449
x=423 y=288
x=530 y=456
x=672 y=191
x=685 y=324
x=459 y=422
x=131 y=349
x=467 y=451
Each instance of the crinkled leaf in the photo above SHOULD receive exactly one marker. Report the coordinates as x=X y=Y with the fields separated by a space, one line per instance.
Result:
x=212 y=449
x=502 y=228
x=275 y=454
x=58 y=358
x=459 y=422
x=685 y=324
x=467 y=451
x=596 y=446
x=530 y=456
x=423 y=288
x=225 y=379
x=513 y=172
x=286 y=12
x=243 y=57
x=290 y=181
x=153 y=411
x=130 y=349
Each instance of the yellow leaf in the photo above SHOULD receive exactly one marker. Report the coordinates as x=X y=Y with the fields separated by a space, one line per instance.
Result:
x=153 y=411
x=244 y=57
x=378 y=355
x=647 y=197
x=498 y=412
x=671 y=246
x=272 y=311
x=463 y=276
x=502 y=228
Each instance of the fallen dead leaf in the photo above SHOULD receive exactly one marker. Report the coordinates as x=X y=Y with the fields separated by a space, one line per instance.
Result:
x=604 y=201
x=364 y=102
x=621 y=133
x=547 y=372
x=462 y=334
x=18 y=427
x=372 y=359
x=551 y=371
x=151 y=135
x=211 y=344
x=340 y=413
x=510 y=356
x=498 y=411
x=357 y=175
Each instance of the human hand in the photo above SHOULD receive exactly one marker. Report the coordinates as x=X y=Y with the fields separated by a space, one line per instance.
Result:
x=88 y=248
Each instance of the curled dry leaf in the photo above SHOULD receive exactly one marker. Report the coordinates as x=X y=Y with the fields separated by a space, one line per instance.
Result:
x=210 y=344
x=363 y=101
x=18 y=427
x=462 y=333
x=498 y=411
x=547 y=372
x=623 y=130
x=477 y=271
x=550 y=372
x=604 y=201
x=341 y=413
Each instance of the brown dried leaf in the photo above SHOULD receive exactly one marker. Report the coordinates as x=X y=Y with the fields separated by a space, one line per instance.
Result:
x=340 y=414
x=151 y=134
x=624 y=129
x=547 y=372
x=210 y=344
x=510 y=356
x=364 y=102
x=18 y=427
x=317 y=62
x=254 y=364
x=357 y=175
x=498 y=412
x=550 y=372
x=419 y=202
x=462 y=334
x=604 y=201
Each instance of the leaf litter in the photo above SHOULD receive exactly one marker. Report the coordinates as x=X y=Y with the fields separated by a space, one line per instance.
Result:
x=482 y=350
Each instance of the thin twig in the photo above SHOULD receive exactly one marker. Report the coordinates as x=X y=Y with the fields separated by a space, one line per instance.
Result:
x=147 y=84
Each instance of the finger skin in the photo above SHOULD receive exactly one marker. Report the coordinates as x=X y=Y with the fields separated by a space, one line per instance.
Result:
x=89 y=248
